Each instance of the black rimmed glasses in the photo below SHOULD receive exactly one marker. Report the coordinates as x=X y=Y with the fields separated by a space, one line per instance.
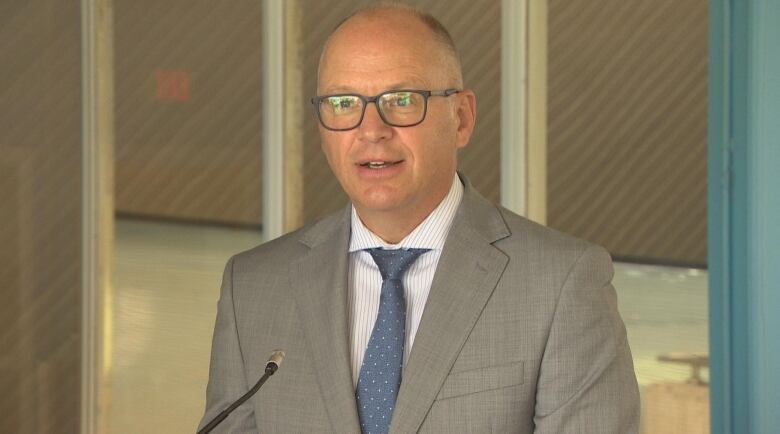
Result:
x=398 y=108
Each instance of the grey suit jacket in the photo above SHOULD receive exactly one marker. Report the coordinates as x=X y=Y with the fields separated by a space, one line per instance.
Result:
x=520 y=334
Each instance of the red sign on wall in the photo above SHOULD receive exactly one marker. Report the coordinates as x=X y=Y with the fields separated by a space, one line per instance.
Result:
x=172 y=85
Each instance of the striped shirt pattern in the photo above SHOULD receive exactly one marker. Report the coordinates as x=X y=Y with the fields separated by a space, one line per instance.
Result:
x=365 y=281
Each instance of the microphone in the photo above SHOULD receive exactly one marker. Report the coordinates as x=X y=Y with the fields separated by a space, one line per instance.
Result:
x=271 y=366
x=274 y=361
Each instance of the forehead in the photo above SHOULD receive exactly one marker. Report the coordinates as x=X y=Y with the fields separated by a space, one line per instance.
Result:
x=379 y=51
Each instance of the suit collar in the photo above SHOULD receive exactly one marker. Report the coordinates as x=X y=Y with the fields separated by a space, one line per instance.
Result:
x=468 y=272
x=327 y=230
x=480 y=216
x=319 y=280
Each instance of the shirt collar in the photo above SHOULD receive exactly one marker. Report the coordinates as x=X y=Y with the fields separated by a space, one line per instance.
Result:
x=430 y=234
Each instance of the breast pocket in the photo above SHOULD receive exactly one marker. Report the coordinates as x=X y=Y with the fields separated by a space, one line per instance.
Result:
x=482 y=379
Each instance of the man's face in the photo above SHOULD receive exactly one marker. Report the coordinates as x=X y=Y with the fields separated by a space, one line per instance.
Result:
x=368 y=56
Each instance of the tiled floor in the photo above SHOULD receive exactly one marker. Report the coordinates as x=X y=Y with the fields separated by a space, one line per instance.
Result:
x=166 y=285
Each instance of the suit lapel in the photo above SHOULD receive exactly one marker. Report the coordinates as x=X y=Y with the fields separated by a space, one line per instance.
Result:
x=467 y=273
x=320 y=282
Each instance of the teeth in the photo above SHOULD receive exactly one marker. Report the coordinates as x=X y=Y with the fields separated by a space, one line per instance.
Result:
x=376 y=164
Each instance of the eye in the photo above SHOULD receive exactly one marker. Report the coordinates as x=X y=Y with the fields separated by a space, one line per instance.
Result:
x=343 y=104
x=400 y=99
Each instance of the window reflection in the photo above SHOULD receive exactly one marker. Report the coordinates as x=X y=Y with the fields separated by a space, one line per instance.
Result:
x=665 y=311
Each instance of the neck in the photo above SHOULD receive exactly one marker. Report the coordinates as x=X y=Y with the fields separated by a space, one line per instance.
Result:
x=391 y=228
x=394 y=225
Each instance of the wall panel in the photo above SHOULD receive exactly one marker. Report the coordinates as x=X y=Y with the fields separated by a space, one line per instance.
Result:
x=627 y=119
x=188 y=109
x=40 y=217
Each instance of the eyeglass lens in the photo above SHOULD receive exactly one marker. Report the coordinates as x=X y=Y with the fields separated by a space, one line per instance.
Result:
x=396 y=108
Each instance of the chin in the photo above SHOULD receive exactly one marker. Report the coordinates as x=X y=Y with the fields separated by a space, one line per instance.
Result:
x=378 y=201
x=379 y=205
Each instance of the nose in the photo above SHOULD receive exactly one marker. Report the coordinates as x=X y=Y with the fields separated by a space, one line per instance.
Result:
x=373 y=128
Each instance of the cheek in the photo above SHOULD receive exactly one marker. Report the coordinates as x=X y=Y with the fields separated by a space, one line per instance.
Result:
x=327 y=149
x=436 y=148
x=333 y=150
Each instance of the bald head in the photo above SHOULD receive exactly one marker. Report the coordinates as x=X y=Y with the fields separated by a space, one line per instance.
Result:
x=400 y=26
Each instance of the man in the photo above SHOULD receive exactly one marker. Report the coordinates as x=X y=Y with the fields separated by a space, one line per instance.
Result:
x=421 y=307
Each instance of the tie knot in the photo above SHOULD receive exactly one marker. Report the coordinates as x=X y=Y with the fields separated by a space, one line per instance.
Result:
x=393 y=263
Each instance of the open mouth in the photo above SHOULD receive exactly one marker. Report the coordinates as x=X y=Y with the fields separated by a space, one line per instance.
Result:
x=379 y=164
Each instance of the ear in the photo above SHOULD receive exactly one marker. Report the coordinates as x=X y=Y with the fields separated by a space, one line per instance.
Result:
x=466 y=113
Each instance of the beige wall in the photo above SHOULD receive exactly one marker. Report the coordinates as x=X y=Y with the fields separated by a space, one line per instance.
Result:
x=40 y=217
x=192 y=150
x=627 y=126
x=200 y=158
x=626 y=115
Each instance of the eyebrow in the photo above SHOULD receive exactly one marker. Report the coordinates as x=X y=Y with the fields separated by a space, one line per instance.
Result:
x=395 y=86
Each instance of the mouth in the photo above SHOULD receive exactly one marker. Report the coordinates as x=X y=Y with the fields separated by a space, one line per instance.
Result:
x=379 y=164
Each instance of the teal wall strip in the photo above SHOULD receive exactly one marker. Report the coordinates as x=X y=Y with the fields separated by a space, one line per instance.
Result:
x=718 y=133
x=737 y=208
x=763 y=156
x=744 y=212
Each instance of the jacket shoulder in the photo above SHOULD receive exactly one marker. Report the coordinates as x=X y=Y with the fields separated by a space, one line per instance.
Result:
x=280 y=251
x=544 y=241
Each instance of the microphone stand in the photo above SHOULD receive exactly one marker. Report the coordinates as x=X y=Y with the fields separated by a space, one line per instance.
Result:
x=270 y=369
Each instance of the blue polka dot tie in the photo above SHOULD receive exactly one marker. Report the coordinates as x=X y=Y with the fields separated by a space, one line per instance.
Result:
x=380 y=373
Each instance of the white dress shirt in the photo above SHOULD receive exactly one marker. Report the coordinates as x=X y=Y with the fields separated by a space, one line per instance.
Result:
x=365 y=281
